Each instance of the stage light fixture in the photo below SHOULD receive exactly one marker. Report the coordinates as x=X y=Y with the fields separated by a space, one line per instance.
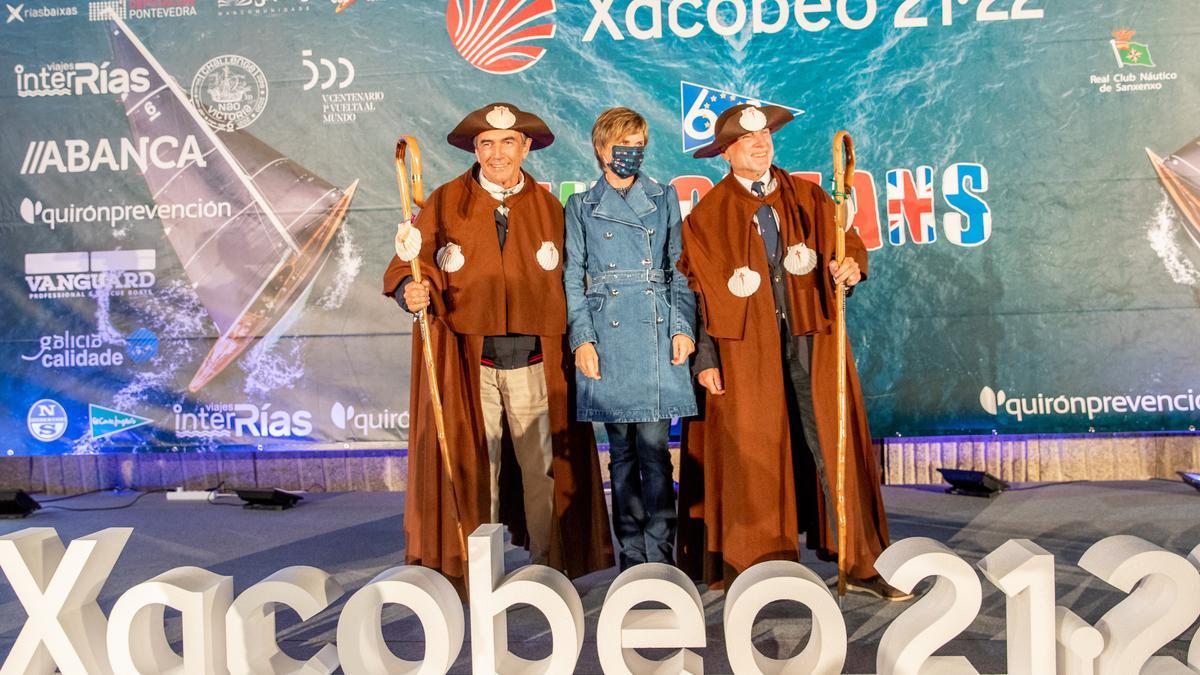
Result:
x=16 y=504
x=972 y=483
x=267 y=499
x=1190 y=478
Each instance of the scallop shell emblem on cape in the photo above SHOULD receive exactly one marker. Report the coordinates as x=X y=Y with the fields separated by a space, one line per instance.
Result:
x=752 y=119
x=501 y=117
x=408 y=241
x=547 y=256
x=800 y=259
x=450 y=258
x=744 y=282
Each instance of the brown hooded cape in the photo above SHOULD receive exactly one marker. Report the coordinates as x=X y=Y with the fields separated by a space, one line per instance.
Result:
x=494 y=293
x=737 y=493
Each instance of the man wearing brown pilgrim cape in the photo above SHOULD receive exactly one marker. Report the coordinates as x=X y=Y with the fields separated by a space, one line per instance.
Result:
x=758 y=463
x=491 y=243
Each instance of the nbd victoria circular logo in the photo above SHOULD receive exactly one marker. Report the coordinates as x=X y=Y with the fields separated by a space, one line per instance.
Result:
x=230 y=92
x=500 y=37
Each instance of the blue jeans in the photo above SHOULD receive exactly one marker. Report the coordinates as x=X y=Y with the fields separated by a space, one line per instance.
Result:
x=643 y=494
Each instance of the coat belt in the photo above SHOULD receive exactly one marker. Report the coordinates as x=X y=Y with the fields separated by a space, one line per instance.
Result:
x=655 y=276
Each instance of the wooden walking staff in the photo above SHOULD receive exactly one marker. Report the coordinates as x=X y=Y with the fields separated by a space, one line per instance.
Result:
x=843 y=182
x=408 y=249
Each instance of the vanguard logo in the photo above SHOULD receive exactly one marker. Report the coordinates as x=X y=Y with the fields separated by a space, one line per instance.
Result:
x=78 y=79
x=76 y=274
x=994 y=401
x=105 y=422
x=494 y=36
x=81 y=156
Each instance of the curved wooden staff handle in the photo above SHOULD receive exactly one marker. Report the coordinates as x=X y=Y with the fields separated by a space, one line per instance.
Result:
x=843 y=182
x=412 y=191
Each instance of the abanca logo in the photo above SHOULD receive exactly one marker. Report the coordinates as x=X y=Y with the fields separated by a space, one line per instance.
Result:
x=494 y=35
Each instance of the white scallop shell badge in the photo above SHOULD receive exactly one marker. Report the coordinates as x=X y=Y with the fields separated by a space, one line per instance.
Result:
x=408 y=241
x=501 y=117
x=450 y=258
x=547 y=256
x=752 y=119
x=744 y=282
x=800 y=259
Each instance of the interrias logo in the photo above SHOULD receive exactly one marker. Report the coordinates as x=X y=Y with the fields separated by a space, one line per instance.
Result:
x=497 y=36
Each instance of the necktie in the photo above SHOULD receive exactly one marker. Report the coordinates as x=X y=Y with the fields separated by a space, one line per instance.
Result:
x=502 y=216
x=767 y=225
x=501 y=226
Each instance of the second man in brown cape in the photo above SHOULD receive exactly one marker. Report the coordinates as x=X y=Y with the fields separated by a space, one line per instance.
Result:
x=757 y=465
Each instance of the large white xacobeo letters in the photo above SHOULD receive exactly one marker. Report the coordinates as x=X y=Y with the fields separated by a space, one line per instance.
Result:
x=67 y=631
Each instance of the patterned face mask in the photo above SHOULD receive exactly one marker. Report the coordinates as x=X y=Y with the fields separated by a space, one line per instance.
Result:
x=627 y=160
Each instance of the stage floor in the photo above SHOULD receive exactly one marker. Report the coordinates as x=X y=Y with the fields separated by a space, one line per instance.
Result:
x=356 y=535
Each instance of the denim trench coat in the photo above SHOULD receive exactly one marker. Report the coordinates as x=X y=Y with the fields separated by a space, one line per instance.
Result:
x=624 y=295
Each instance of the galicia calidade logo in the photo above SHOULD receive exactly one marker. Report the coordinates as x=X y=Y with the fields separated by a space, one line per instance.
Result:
x=230 y=92
x=105 y=422
x=700 y=107
x=47 y=420
x=499 y=37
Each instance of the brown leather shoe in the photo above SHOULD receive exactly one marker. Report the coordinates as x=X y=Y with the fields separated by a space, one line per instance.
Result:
x=877 y=587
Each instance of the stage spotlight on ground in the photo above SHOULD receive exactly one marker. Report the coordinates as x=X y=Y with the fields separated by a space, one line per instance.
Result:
x=16 y=504
x=1190 y=478
x=972 y=483
x=267 y=499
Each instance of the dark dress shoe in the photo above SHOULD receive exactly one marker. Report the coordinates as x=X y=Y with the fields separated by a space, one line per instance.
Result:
x=877 y=587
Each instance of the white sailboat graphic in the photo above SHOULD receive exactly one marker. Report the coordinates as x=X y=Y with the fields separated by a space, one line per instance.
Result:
x=255 y=268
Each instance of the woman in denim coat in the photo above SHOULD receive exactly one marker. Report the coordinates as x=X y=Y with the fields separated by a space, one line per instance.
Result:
x=632 y=327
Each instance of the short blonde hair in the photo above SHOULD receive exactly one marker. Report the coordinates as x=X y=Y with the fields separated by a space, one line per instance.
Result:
x=614 y=124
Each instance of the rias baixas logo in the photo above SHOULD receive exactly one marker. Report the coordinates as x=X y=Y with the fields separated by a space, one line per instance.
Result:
x=498 y=37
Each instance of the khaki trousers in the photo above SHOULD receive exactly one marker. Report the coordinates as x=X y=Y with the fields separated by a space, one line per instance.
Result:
x=520 y=396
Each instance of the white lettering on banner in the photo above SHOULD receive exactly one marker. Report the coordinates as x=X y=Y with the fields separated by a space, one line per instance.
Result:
x=993 y=401
x=241 y=420
x=66 y=79
x=80 y=156
x=66 y=629
x=643 y=19
x=34 y=212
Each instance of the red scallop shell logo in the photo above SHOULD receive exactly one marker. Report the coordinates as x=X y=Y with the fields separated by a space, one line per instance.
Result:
x=500 y=36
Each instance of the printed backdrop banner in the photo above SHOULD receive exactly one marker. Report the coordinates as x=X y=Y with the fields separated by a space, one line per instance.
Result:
x=197 y=197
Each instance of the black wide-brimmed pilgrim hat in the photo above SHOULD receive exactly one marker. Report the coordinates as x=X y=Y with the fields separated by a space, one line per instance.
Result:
x=500 y=116
x=740 y=120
